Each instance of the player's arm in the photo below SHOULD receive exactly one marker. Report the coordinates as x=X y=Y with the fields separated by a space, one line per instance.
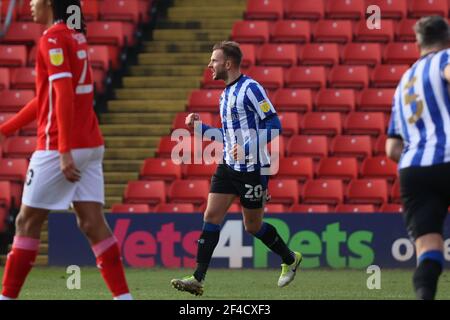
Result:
x=447 y=73
x=208 y=131
x=394 y=148
x=394 y=143
x=26 y=115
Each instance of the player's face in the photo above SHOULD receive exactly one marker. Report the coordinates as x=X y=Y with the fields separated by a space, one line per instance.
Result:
x=41 y=11
x=218 y=65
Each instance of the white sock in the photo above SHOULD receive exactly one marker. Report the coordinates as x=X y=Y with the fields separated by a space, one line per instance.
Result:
x=125 y=296
x=2 y=297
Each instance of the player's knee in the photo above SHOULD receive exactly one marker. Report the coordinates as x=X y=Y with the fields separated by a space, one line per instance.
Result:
x=87 y=227
x=27 y=225
x=252 y=228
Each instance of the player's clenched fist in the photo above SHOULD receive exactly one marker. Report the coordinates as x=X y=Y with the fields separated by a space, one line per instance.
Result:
x=68 y=167
x=190 y=119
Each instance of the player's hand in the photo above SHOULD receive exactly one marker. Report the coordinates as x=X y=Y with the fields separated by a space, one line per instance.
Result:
x=68 y=167
x=237 y=153
x=190 y=119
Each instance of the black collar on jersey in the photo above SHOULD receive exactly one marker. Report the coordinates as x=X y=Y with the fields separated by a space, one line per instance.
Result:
x=234 y=82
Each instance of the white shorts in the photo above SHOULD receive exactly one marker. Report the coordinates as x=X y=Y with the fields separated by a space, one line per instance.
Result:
x=47 y=188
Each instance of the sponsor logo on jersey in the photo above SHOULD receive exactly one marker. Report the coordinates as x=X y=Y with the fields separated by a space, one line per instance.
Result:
x=264 y=106
x=56 y=56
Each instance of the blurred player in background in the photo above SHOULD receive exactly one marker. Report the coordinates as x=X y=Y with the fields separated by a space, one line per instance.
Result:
x=67 y=164
x=419 y=140
x=245 y=110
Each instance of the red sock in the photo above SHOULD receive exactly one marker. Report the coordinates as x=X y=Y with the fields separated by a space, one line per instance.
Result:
x=109 y=261
x=19 y=263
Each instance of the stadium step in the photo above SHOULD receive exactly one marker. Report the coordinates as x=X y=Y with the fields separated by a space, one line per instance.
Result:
x=131 y=142
x=138 y=118
x=135 y=130
x=114 y=190
x=109 y=201
x=169 y=106
x=208 y=11
x=129 y=153
x=122 y=165
x=174 y=58
x=120 y=177
x=161 y=82
x=215 y=3
x=223 y=24
x=153 y=94
x=191 y=35
x=41 y=260
x=179 y=46
x=155 y=70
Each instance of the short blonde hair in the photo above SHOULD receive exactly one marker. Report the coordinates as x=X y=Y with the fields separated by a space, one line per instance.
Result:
x=231 y=50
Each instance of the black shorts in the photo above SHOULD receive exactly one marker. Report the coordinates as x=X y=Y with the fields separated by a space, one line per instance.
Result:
x=426 y=197
x=251 y=187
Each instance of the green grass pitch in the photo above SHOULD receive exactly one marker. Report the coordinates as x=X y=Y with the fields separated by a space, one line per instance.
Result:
x=49 y=283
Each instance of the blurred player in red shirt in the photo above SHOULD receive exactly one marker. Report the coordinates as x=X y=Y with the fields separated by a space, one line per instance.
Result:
x=67 y=164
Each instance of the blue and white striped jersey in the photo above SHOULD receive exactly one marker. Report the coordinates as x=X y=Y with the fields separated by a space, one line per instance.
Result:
x=421 y=112
x=243 y=104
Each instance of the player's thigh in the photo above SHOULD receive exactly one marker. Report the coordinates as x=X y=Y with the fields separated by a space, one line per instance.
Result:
x=217 y=207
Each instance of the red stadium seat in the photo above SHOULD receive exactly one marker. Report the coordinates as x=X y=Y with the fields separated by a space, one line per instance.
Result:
x=362 y=53
x=310 y=208
x=175 y=208
x=388 y=76
x=121 y=10
x=29 y=129
x=23 y=78
x=323 y=191
x=376 y=100
x=234 y=208
x=5 y=194
x=352 y=146
x=4 y=10
x=355 y=208
x=401 y=53
x=264 y=9
x=204 y=100
x=372 y=123
x=345 y=9
x=327 y=123
x=199 y=171
x=379 y=167
x=31 y=60
x=160 y=169
x=300 y=168
x=274 y=208
x=320 y=54
x=367 y=191
x=283 y=55
x=14 y=100
x=396 y=9
x=338 y=168
x=13 y=169
x=305 y=9
x=313 y=77
x=270 y=78
x=391 y=208
x=283 y=191
x=333 y=31
x=99 y=78
x=380 y=146
x=248 y=55
x=298 y=100
x=99 y=57
x=106 y=33
x=342 y=76
x=195 y=192
x=289 y=123
x=340 y=100
x=13 y=55
x=250 y=31
x=420 y=8
x=384 y=34
x=308 y=146
x=19 y=147
x=291 y=31
x=27 y=33
x=405 y=30
x=5 y=116
x=395 y=192
x=4 y=78
x=166 y=146
x=147 y=192
x=90 y=9
x=130 y=208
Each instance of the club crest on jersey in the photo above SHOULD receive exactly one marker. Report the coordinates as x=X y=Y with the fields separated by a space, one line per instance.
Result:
x=264 y=106
x=56 y=56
